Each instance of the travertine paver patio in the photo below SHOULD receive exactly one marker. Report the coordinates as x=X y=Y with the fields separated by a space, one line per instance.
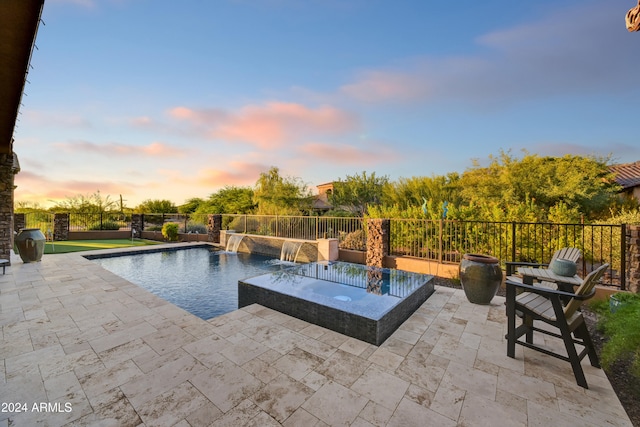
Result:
x=87 y=347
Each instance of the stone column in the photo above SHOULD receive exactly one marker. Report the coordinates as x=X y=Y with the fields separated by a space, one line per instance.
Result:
x=633 y=248
x=214 y=225
x=9 y=166
x=19 y=222
x=378 y=233
x=137 y=225
x=61 y=226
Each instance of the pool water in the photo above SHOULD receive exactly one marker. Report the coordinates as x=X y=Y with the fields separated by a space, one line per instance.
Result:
x=366 y=303
x=200 y=280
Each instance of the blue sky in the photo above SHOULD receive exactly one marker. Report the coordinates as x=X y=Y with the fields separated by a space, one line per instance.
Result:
x=156 y=99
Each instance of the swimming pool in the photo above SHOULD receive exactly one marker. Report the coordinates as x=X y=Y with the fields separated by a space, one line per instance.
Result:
x=201 y=280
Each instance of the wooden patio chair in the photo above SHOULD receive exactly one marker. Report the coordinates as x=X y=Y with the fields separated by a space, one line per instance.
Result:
x=571 y=254
x=538 y=303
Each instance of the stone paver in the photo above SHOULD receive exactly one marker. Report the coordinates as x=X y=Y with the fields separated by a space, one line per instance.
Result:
x=81 y=346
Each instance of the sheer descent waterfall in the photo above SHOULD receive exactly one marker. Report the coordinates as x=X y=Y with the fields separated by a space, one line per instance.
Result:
x=290 y=251
x=233 y=242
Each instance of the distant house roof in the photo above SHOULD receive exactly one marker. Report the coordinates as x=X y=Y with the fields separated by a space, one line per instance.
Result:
x=321 y=203
x=627 y=175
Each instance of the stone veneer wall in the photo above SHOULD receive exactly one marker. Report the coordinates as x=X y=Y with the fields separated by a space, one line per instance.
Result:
x=7 y=172
x=378 y=233
x=61 y=226
x=633 y=280
x=214 y=225
x=137 y=225
x=19 y=222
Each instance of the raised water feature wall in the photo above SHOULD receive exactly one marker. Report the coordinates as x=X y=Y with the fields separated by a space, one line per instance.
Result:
x=305 y=250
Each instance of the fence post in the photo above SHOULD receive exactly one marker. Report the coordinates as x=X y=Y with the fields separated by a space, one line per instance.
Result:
x=440 y=242
x=19 y=221
x=513 y=241
x=634 y=258
x=137 y=225
x=214 y=225
x=377 y=241
x=277 y=226
x=186 y=220
x=623 y=256
x=245 y=224
x=61 y=226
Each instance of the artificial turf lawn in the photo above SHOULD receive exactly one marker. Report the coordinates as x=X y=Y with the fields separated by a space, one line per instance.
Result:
x=66 y=246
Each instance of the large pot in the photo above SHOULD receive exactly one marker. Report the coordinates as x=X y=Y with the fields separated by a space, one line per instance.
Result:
x=481 y=277
x=30 y=244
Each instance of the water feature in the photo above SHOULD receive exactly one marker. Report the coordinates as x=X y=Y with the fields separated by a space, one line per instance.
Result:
x=233 y=242
x=290 y=250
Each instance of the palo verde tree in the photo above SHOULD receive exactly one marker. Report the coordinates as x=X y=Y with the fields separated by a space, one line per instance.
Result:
x=229 y=200
x=277 y=195
x=191 y=205
x=156 y=207
x=357 y=192
x=87 y=204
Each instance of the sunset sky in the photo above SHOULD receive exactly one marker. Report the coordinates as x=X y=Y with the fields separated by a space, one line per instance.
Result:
x=156 y=99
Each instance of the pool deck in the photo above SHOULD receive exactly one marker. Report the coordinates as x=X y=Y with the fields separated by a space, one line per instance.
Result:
x=82 y=346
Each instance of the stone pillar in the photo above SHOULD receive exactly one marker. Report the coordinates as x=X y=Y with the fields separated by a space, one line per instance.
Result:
x=214 y=225
x=61 y=226
x=633 y=248
x=9 y=166
x=378 y=233
x=328 y=250
x=137 y=225
x=19 y=222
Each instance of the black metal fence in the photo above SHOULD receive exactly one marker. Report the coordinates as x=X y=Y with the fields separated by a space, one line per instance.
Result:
x=99 y=221
x=350 y=231
x=187 y=223
x=444 y=241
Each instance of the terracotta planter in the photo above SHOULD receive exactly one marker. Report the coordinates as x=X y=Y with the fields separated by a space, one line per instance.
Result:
x=481 y=277
x=30 y=244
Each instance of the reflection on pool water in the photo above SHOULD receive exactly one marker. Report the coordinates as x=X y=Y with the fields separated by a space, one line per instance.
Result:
x=201 y=280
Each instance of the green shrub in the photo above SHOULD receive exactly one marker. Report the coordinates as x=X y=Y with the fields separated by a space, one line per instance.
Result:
x=621 y=329
x=153 y=228
x=170 y=231
x=194 y=227
x=105 y=225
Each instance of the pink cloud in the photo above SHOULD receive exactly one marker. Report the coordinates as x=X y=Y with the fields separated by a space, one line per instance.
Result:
x=156 y=149
x=237 y=173
x=380 y=86
x=142 y=121
x=205 y=116
x=234 y=173
x=348 y=154
x=39 y=188
x=268 y=125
